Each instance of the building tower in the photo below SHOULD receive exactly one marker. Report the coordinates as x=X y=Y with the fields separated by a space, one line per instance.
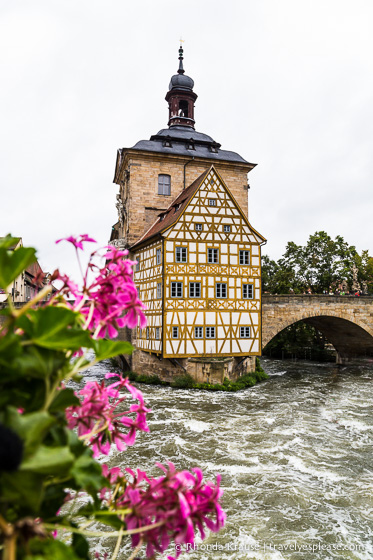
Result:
x=182 y=209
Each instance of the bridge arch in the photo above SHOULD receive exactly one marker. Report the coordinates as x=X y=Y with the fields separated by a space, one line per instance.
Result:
x=348 y=325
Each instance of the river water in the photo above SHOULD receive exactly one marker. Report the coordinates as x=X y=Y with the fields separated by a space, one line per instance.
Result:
x=294 y=452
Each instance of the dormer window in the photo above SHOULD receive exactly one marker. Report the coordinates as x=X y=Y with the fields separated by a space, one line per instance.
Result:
x=177 y=206
x=167 y=142
x=164 y=185
x=190 y=144
x=161 y=217
x=214 y=147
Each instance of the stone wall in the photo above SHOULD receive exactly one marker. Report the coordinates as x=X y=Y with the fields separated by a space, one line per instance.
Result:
x=210 y=370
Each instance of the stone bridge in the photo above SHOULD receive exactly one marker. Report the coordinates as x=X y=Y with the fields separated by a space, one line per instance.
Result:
x=346 y=321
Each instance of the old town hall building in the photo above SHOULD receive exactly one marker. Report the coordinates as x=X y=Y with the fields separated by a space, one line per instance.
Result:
x=182 y=208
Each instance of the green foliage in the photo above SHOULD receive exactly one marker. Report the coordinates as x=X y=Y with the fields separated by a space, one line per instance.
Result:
x=184 y=381
x=12 y=263
x=36 y=349
x=319 y=266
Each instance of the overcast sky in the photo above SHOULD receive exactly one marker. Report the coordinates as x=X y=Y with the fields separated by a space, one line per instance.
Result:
x=288 y=84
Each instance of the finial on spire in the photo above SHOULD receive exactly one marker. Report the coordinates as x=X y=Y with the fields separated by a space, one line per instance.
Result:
x=181 y=52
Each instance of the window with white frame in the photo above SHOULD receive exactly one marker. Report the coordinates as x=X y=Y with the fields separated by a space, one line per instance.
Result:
x=194 y=289
x=159 y=256
x=247 y=291
x=198 y=227
x=244 y=332
x=221 y=290
x=212 y=202
x=159 y=290
x=210 y=332
x=176 y=289
x=244 y=257
x=175 y=332
x=157 y=333
x=227 y=228
x=213 y=256
x=164 y=185
x=181 y=254
x=198 y=332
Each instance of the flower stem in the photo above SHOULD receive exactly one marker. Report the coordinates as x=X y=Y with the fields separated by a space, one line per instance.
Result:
x=117 y=546
x=134 y=553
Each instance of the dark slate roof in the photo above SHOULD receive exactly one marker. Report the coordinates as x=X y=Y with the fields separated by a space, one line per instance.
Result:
x=171 y=215
x=179 y=138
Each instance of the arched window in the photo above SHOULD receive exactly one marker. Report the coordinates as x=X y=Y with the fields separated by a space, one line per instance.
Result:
x=164 y=185
x=183 y=108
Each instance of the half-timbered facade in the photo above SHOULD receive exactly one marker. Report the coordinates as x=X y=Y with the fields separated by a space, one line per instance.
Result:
x=199 y=275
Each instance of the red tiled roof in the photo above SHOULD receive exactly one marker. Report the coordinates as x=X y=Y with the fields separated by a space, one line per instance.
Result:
x=173 y=212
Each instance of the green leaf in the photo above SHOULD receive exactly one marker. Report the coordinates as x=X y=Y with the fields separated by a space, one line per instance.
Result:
x=109 y=518
x=87 y=473
x=105 y=349
x=32 y=428
x=55 y=328
x=63 y=399
x=49 y=460
x=8 y=241
x=23 y=489
x=39 y=362
x=51 y=549
x=12 y=263
x=80 y=546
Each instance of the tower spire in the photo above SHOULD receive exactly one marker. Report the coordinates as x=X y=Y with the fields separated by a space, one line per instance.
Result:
x=181 y=97
x=181 y=57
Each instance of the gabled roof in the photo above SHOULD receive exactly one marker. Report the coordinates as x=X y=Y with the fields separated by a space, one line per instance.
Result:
x=171 y=215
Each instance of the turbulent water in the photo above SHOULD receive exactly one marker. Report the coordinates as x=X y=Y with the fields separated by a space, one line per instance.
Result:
x=294 y=452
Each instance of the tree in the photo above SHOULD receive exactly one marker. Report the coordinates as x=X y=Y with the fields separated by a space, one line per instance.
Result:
x=320 y=265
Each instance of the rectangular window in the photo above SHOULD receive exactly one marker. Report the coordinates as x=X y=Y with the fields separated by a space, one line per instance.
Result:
x=210 y=332
x=227 y=229
x=159 y=256
x=198 y=227
x=198 y=332
x=181 y=254
x=159 y=290
x=213 y=256
x=212 y=202
x=194 y=289
x=176 y=289
x=244 y=257
x=244 y=332
x=137 y=263
x=175 y=332
x=157 y=333
x=221 y=290
x=247 y=291
x=164 y=185
x=147 y=333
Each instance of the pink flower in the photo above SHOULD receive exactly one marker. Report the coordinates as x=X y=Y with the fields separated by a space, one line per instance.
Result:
x=111 y=300
x=78 y=241
x=97 y=416
x=180 y=501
